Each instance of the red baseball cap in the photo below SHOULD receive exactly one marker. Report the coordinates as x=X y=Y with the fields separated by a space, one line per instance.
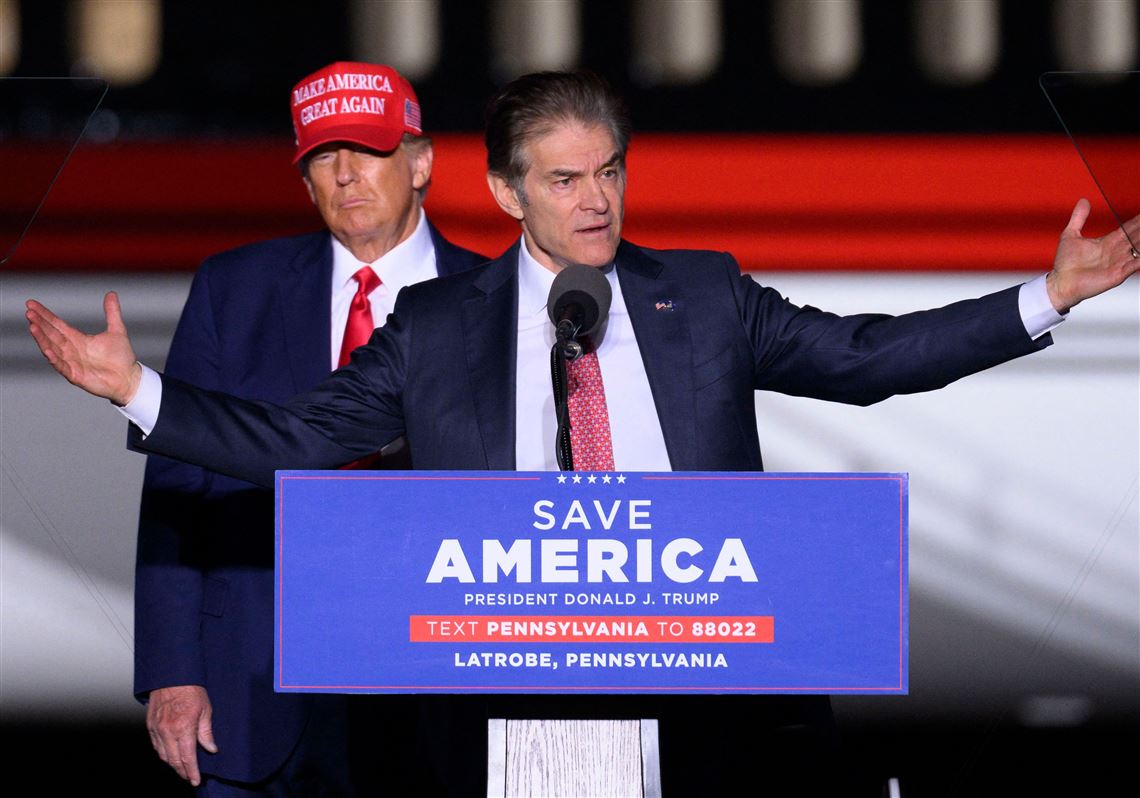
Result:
x=368 y=104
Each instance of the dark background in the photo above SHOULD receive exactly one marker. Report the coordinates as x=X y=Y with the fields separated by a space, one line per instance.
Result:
x=225 y=71
x=226 y=68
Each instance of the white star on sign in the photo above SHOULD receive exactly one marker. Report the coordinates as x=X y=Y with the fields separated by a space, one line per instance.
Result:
x=591 y=479
x=621 y=479
x=561 y=479
x=606 y=479
x=577 y=478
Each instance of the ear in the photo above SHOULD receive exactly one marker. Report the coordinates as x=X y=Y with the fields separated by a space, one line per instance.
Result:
x=422 y=157
x=506 y=196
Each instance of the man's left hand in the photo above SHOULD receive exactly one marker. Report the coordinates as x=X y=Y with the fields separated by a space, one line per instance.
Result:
x=1085 y=267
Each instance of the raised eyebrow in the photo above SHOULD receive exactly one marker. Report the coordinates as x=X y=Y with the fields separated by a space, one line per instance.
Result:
x=561 y=173
x=614 y=161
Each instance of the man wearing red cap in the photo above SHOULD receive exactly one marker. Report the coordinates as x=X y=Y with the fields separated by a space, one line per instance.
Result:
x=265 y=321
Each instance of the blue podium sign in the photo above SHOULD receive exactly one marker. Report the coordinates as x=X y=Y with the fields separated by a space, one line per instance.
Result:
x=508 y=582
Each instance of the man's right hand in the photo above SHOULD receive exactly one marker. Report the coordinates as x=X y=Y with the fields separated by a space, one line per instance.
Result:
x=102 y=364
x=178 y=720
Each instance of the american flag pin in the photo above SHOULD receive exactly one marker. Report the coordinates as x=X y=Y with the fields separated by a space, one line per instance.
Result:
x=665 y=304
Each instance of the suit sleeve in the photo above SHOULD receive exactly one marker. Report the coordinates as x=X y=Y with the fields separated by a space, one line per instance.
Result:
x=168 y=571
x=865 y=358
x=355 y=412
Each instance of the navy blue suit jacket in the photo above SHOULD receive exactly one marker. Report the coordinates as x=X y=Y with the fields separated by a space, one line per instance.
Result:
x=442 y=372
x=257 y=325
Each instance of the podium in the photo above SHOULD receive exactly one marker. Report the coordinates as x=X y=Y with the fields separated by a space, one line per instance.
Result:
x=571 y=758
x=577 y=584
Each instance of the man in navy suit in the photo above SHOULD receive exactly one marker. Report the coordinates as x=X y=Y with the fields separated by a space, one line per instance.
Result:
x=267 y=321
x=461 y=370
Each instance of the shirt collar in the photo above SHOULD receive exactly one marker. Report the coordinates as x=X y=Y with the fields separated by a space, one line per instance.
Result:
x=535 y=281
x=534 y=289
x=410 y=261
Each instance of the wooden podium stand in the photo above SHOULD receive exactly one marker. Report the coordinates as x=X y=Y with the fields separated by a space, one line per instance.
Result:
x=572 y=758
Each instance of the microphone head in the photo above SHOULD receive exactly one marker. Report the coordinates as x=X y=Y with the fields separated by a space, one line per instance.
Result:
x=581 y=294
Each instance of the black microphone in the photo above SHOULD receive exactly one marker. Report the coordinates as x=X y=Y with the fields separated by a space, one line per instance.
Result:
x=579 y=301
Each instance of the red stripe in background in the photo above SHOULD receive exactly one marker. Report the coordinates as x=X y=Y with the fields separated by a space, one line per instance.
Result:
x=915 y=203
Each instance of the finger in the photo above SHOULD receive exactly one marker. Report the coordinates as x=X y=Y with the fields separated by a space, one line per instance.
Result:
x=1131 y=262
x=1078 y=217
x=41 y=338
x=114 y=313
x=187 y=766
x=37 y=308
x=45 y=318
x=51 y=351
x=1132 y=229
x=50 y=325
x=206 y=732
x=39 y=316
x=156 y=742
x=56 y=348
x=166 y=746
x=44 y=330
x=172 y=753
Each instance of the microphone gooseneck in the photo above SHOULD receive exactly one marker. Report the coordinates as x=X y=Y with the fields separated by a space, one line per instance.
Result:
x=578 y=303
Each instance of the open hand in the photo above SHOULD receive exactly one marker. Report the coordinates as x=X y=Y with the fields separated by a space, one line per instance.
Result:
x=102 y=364
x=1085 y=267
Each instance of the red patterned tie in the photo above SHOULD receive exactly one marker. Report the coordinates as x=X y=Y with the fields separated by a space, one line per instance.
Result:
x=359 y=327
x=589 y=419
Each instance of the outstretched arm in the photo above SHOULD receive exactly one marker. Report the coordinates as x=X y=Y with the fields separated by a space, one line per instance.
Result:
x=1085 y=267
x=103 y=364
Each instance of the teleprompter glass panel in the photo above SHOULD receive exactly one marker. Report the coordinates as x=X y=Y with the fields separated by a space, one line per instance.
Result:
x=41 y=121
x=1101 y=113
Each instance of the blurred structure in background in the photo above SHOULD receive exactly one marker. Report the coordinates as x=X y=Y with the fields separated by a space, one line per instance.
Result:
x=855 y=154
x=213 y=67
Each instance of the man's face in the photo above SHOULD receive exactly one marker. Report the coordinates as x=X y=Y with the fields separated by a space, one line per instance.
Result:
x=574 y=194
x=368 y=199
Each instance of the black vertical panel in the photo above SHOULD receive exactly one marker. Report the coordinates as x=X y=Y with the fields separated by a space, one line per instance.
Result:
x=454 y=94
x=655 y=106
x=228 y=66
x=43 y=41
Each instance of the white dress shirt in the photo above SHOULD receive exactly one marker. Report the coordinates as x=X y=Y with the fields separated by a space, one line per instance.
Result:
x=639 y=444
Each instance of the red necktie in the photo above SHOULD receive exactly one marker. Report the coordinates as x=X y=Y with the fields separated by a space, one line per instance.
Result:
x=589 y=419
x=357 y=331
x=359 y=327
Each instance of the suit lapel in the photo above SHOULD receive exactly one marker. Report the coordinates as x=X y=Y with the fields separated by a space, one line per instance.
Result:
x=490 y=322
x=306 y=282
x=666 y=348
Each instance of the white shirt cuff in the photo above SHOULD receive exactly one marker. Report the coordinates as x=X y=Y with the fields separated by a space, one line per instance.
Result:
x=1037 y=312
x=142 y=410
